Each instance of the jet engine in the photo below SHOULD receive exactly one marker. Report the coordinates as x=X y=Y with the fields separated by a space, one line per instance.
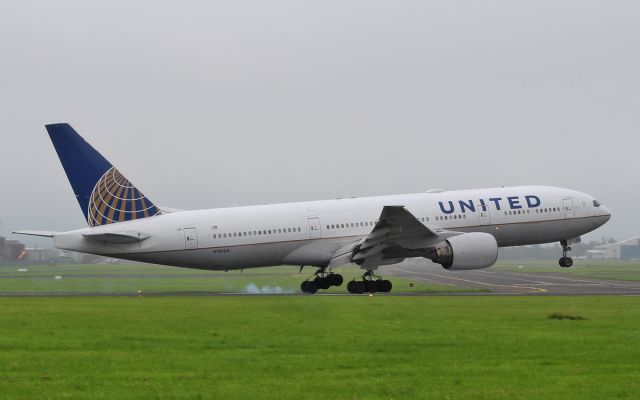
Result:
x=473 y=250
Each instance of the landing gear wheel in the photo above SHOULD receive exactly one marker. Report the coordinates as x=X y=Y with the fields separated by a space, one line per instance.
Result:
x=321 y=280
x=322 y=283
x=356 y=287
x=309 y=287
x=566 y=262
x=370 y=283
x=335 y=279
x=384 y=286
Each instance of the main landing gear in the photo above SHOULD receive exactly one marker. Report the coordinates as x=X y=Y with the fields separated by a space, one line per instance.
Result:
x=565 y=261
x=369 y=284
x=322 y=280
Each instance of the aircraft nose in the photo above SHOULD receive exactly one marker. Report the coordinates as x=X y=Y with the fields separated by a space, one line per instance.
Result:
x=605 y=212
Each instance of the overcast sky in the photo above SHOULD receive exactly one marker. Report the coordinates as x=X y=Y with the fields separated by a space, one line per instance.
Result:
x=214 y=104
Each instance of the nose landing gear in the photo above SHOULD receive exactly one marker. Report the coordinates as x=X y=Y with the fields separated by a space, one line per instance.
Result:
x=322 y=280
x=370 y=283
x=565 y=262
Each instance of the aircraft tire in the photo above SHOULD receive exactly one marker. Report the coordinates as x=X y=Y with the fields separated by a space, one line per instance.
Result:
x=309 y=287
x=336 y=279
x=356 y=287
x=566 y=262
x=312 y=287
x=322 y=283
x=385 y=286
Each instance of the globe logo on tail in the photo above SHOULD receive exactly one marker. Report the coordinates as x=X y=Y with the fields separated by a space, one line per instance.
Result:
x=115 y=199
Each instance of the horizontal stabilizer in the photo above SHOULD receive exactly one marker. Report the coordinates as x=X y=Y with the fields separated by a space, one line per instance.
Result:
x=36 y=233
x=117 y=238
x=168 y=210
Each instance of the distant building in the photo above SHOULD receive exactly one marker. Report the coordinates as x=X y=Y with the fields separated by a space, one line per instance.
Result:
x=12 y=250
x=625 y=250
x=39 y=255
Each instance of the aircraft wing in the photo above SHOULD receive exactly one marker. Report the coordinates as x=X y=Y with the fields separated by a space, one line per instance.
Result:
x=397 y=235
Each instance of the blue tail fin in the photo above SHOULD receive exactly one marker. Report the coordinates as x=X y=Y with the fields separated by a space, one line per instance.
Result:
x=105 y=196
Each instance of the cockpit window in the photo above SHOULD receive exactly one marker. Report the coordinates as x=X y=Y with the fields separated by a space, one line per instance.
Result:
x=596 y=203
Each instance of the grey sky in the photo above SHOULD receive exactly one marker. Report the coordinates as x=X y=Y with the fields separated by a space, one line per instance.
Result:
x=211 y=104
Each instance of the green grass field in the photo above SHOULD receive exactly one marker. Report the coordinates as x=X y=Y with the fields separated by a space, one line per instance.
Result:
x=129 y=279
x=310 y=347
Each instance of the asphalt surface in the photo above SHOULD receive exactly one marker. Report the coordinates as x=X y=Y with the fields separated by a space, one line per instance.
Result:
x=496 y=282
x=515 y=283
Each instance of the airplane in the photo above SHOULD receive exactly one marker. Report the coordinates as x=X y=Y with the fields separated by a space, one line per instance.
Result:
x=460 y=230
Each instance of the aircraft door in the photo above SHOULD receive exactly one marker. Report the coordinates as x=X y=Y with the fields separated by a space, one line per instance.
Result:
x=314 y=228
x=485 y=215
x=190 y=238
x=569 y=210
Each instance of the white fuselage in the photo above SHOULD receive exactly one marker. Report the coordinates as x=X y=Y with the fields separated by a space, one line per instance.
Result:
x=310 y=233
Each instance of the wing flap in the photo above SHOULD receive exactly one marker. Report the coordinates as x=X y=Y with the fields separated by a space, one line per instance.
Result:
x=397 y=235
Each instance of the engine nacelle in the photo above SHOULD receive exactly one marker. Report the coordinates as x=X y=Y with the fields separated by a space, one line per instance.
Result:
x=473 y=250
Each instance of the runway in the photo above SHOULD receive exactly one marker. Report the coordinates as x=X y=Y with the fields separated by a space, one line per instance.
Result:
x=493 y=282
x=515 y=283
